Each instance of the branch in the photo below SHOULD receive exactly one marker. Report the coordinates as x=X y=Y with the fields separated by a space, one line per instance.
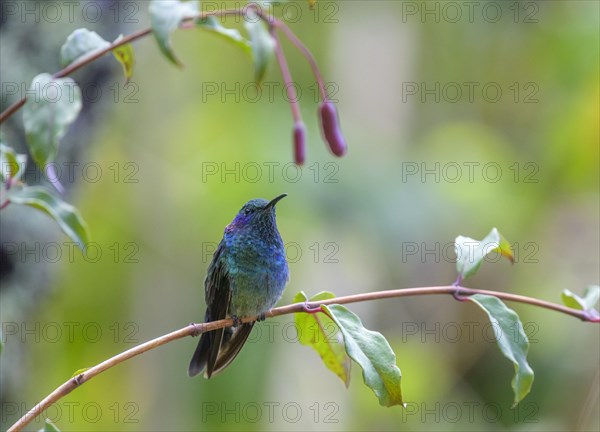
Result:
x=195 y=329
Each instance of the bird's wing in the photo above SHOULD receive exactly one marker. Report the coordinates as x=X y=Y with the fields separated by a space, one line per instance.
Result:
x=217 y=296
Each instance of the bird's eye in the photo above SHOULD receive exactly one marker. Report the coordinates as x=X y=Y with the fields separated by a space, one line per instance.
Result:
x=247 y=210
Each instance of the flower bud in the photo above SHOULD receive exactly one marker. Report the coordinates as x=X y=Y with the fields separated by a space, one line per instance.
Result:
x=330 y=128
x=299 y=143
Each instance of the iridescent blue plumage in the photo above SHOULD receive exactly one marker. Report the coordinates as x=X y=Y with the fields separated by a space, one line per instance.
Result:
x=246 y=277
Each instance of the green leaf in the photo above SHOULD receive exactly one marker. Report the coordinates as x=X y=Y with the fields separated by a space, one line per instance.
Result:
x=125 y=55
x=52 y=105
x=470 y=253
x=262 y=44
x=79 y=372
x=320 y=332
x=511 y=339
x=165 y=17
x=67 y=217
x=12 y=165
x=373 y=354
x=591 y=295
x=213 y=25
x=49 y=427
x=79 y=43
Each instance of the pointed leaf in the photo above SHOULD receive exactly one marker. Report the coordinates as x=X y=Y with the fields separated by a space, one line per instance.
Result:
x=79 y=43
x=572 y=300
x=67 y=217
x=49 y=427
x=52 y=105
x=165 y=17
x=125 y=55
x=373 y=354
x=587 y=303
x=591 y=295
x=511 y=339
x=470 y=253
x=322 y=334
x=12 y=165
x=262 y=44
x=213 y=25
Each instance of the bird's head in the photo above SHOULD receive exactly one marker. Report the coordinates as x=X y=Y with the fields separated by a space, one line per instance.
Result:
x=256 y=212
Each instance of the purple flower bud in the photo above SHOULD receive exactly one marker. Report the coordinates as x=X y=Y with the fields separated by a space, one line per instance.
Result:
x=330 y=128
x=299 y=143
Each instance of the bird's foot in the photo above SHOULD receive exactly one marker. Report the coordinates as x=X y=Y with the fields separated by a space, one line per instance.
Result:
x=236 y=320
x=262 y=316
x=198 y=329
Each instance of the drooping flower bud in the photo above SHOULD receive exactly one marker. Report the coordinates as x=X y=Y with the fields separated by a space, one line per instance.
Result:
x=330 y=128
x=299 y=143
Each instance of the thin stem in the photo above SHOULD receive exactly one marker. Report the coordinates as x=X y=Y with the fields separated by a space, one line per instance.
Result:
x=308 y=307
x=306 y=52
x=287 y=79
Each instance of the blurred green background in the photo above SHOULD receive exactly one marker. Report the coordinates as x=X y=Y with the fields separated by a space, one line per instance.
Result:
x=382 y=217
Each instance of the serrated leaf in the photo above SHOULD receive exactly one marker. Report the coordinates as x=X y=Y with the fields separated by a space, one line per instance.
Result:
x=52 y=105
x=470 y=253
x=591 y=295
x=125 y=55
x=212 y=24
x=79 y=43
x=262 y=45
x=67 y=216
x=373 y=354
x=165 y=17
x=511 y=339
x=49 y=427
x=12 y=165
x=320 y=332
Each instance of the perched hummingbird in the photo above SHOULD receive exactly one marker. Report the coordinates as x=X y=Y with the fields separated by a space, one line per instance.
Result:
x=246 y=277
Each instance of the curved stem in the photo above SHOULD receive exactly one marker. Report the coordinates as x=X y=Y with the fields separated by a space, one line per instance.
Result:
x=195 y=329
x=287 y=79
x=307 y=54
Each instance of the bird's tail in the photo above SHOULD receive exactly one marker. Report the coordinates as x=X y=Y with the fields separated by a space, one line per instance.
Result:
x=200 y=357
x=217 y=349
x=231 y=348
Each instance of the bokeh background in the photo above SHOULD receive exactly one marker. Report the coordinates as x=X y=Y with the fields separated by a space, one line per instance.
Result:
x=425 y=91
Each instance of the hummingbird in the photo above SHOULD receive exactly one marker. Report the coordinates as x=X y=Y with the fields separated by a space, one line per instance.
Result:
x=246 y=277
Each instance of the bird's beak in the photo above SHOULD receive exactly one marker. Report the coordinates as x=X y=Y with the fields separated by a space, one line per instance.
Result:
x=275 y=201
